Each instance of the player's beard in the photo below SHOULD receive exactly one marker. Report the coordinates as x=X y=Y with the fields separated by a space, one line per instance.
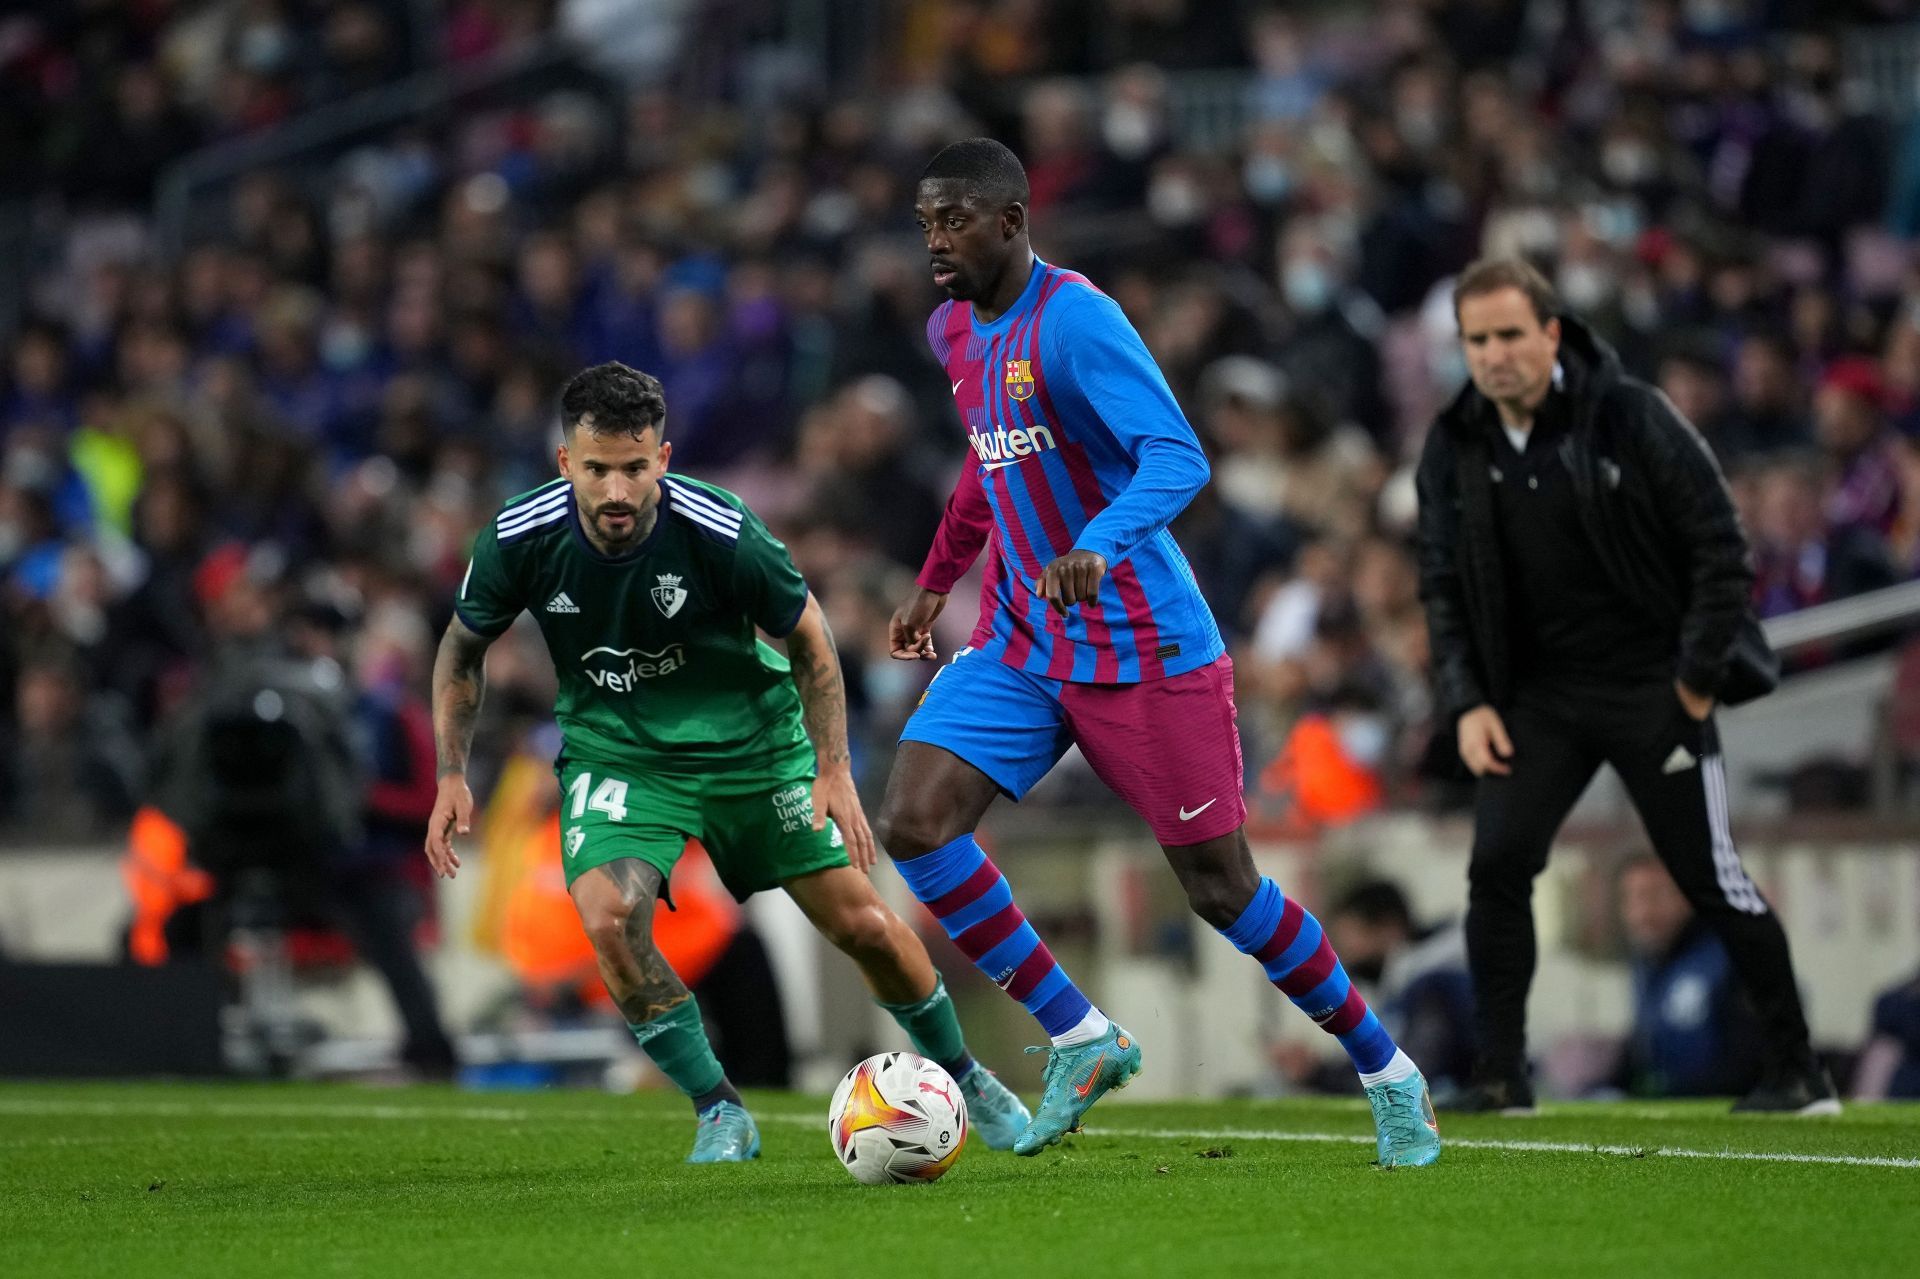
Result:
x=617 y=533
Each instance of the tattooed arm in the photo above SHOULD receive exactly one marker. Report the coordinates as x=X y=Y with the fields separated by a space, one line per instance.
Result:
x=823 y=702
x=823 y=696
x=459 y=679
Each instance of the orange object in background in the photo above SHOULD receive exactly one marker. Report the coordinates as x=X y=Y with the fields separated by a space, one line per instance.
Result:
x=542 y=941
x=1319 y=784
x=160 y=881
x=523 y=798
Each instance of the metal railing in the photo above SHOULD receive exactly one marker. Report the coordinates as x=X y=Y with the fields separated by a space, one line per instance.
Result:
x=1861 y=617
x=1841 y=712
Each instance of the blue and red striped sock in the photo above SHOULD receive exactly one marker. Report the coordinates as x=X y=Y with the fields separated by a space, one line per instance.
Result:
x=1290 y=944
x=969 y=896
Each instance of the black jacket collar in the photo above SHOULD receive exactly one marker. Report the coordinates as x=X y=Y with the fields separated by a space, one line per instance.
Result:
x=1588 y=363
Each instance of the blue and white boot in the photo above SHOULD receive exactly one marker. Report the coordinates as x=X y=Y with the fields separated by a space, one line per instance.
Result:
x=726 y=1135
x=1409 y=1135
x=1076 y=1078
x=994 y=1110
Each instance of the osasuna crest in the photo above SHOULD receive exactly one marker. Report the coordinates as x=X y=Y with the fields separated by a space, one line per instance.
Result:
x=669 y=594
x=1019 y=379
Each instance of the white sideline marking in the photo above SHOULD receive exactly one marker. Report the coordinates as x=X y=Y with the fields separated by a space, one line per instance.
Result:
x=1465 y=1143
x=269 y=1110
x=503 y=1114
x=122 y=1139
x=1554 y=1147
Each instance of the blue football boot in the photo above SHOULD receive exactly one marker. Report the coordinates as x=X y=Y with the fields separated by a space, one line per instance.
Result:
x=1403 y=1118
x=995 y=1112
x=726 y=1135
x=1076 y=1078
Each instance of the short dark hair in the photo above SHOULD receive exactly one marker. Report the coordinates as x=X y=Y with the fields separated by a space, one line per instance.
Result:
x=612 y=399
x=1490 y=275
x=987 y=169
x=1375 y=901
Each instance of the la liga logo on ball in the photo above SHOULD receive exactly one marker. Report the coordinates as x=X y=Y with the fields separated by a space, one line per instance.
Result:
x=897 y=1118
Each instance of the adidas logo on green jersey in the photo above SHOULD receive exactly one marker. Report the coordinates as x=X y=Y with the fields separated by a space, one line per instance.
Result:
x=561 y=604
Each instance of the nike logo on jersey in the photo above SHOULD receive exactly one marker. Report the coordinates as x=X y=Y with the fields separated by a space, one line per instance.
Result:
x=957 y=385
x=561 y=604
x=1186 y=816
x=994 y=466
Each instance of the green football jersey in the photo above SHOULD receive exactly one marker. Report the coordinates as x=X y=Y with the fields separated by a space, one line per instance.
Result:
x=659 y=664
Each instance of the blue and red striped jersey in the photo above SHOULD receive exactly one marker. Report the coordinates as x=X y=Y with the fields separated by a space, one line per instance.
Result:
x=1077 y=443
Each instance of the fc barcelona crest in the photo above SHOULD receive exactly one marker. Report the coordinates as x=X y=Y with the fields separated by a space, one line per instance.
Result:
x=669 y=595
x=1019 y=379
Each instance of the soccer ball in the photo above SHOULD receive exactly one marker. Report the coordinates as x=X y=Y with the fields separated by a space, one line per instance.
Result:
x=897 y=1117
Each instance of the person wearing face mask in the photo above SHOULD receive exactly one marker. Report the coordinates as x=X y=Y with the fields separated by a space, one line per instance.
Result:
x=1331 y=345
x=1419 y=972
x=1133 y=126
x=1586 y=583
x=1328 y=774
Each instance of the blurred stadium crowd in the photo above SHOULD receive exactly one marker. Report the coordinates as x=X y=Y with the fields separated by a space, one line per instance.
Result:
x=322 y=390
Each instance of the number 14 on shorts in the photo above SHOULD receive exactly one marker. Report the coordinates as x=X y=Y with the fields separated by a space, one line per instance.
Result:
x=609 y=797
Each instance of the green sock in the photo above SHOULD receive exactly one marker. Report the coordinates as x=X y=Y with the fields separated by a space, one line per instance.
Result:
x=933 y=1028
x=677 y=1042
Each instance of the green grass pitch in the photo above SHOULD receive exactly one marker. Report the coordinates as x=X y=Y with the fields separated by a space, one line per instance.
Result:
x=293 y=1180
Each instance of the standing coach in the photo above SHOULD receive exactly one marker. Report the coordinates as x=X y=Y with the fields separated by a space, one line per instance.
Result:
x=1586 y=586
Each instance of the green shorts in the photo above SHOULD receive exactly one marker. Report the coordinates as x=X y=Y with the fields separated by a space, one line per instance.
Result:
x=756 y=824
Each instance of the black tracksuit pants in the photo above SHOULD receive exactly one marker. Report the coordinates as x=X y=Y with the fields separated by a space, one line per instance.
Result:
x=1674 y=774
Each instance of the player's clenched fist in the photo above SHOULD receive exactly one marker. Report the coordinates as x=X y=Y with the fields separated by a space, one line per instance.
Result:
x=1072 y=579
x=911 y=631
x=452 y=814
